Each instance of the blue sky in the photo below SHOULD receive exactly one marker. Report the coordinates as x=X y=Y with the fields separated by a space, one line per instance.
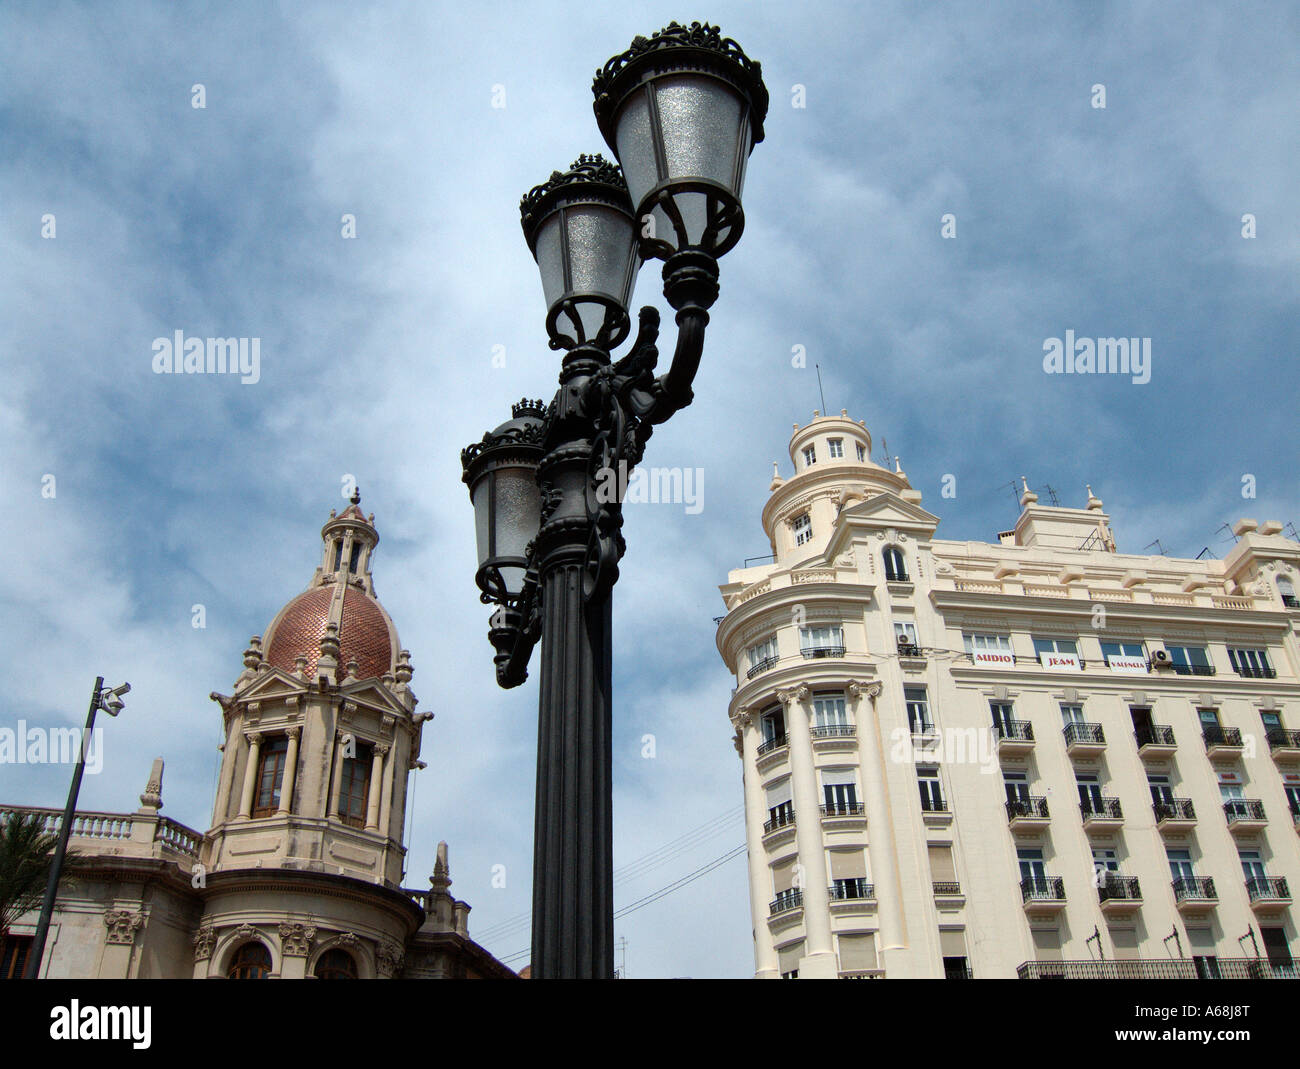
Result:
x=377 y=352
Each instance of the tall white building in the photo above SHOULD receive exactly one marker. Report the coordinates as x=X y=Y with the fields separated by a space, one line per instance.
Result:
x=1035 y=756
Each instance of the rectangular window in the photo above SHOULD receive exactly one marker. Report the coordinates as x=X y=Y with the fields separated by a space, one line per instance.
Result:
x=14 y=950
x=1032 y=869
x=356 y=557
x=1161 y=792
x=1180 y=864
x=1251 y=865
x=836 y=447
x=989 y=649
x=762 y=653
x=802 y=529
x=1190 y=660
x=840 y=790
x=1003 y=713
x=1016 y=785
x=1057 y=653
x=270 y=776
x=1104 y=861
x=931 y=793
x=905 y=633
x=354 y=787
x=918 y=710
x=780 y=807
x=862 y=451
x=829 y=712
x=1072 y=714
x=823 y=641
x=1250 y=662
x=1124 y=656
x=810 y=456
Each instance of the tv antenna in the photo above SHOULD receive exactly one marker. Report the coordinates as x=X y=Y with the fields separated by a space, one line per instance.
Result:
x=1160 y=548
x=820 y=391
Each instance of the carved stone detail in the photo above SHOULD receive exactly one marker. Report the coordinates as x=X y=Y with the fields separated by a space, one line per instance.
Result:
x=296 y=938
x=389 y=958
x=205 y=939
x=122 y=925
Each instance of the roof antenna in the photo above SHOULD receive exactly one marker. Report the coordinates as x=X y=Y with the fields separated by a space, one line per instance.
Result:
x=819 y=385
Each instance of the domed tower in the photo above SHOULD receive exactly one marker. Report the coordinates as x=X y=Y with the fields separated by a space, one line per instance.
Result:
x=321 y=735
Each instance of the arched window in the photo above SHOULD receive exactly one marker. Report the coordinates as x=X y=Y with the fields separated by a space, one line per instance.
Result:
x=252 y=961
x=895 y=571
x=1287 y=590
x=338 y=554
x=336 y=964
x=356 y=557
x=270 y=776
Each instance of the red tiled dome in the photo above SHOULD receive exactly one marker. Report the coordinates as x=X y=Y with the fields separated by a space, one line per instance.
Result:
x=363 y=632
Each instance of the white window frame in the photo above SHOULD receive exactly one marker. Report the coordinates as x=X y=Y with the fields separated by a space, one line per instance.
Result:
x=802 y=527
x=835 y=446
x=809 y=455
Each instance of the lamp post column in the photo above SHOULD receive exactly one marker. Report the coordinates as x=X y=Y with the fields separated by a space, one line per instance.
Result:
x=573 y=870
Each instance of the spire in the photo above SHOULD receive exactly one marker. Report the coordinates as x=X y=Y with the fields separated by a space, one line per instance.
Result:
x=441 y=878
x=350 y=539
x=1028 y=497
x=1094 y=502
x=776 y=477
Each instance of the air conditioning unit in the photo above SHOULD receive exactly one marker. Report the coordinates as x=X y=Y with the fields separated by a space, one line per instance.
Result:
x=1161 y=659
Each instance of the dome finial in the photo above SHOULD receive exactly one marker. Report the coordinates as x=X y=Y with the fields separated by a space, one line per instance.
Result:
x=1028 y=497
x=356 y=495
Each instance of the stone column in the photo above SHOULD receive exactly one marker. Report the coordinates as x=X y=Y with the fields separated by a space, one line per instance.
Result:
x=376 y=787
x=250 y=774
x=766 y=966
x=819 y=960
x=290 y=768
x=880 y=825
x=386 y=799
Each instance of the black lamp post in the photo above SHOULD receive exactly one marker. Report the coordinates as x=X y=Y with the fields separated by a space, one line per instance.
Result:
x=681 y=111
x=111 y=702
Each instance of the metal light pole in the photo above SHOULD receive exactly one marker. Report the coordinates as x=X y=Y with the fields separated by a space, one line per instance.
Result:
x=681 y=110
x=111 y=702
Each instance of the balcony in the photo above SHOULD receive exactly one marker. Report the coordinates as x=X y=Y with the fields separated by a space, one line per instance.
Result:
x=780 y=824
x=1176 y=814
x=1101 y=813
x=1084 y=740
x=771 y=745
x=855 y=889
x=1014 y=736
x=1291 y=601
x=811 y=653
x=1247 y=671
x=946 y=889
x=1193 y=669
x=1284 y=745
x=1043 y=894
x=762 y=666
x=1222 y=742
x=1268 y=894
x=784 y=902
x=842 y=812
x=1028 y=814
x=910 y=651
x=958 y=972
x=1119 y=894
x=834 y=737
x=934 y=811
x=1157 y=969
x=1155 y=742
x=1244 y=814
x=1194 y=894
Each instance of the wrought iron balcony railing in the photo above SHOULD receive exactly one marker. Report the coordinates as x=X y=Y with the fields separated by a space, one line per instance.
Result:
x=842 y=809
x=779 y=817
x=1104 y=808
x=1084 y=733
x=1032 y=807
x=1194 y=888
x=1014 y=730
x=812 y=652
x=1291 y=601
x=1117 y=888
x=1154 y=735
x=946 y=888
x=958 y=972
x=1268 y=887
x=833 y=731
x=784 y=902
x=774 y=743
x=930 y=804
x=1252 y=672
x=1243 y=809
x=1282 y=739
x=1042 y=889
x=1221 y=736
x=761 y=666
x=1174 y=809
x=1193 y=669
x=855 y=889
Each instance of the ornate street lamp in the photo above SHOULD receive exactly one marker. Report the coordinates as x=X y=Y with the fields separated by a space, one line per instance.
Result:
x=681 y=110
